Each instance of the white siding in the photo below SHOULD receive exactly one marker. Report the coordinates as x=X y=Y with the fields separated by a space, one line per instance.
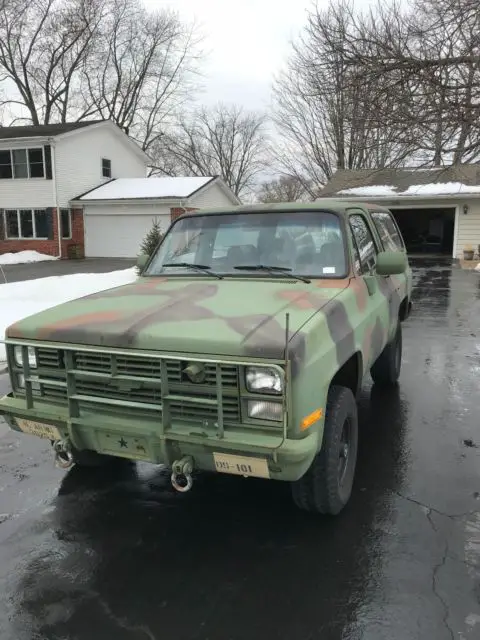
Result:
x=468 y=230
x=78 y=160
x=116 y=231
x=211 y=197
x=25 y=193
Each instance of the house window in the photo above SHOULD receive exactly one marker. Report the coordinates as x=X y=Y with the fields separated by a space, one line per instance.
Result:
x=26 y=224
x=22 y=163
x=66 y=223
x=106 y=168
x=5 y=164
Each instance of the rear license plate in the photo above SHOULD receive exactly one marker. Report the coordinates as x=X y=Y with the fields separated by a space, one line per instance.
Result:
x=38 y=429
x=241 y=465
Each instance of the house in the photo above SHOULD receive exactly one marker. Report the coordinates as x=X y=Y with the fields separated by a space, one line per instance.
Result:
x=118 y=214
x=43 y=167
x=437 y=209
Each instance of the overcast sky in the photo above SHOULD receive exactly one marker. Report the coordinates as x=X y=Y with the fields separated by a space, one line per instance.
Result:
x=248 y=42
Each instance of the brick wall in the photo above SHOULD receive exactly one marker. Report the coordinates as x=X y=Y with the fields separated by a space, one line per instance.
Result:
x=49 y=247
x=176 y=212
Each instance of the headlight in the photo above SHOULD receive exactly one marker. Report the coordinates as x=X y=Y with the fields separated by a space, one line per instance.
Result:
x=265 y=410
x=21 y=383
x=18 y=355
x=263 y=380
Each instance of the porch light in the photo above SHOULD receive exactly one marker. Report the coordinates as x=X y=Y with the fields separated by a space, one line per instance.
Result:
x=465 y=209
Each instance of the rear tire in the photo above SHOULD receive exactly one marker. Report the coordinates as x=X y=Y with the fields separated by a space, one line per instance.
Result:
x=386 y=370
x=327 y=485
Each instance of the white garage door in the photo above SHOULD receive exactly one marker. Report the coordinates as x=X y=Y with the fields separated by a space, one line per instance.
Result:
x=118 y=236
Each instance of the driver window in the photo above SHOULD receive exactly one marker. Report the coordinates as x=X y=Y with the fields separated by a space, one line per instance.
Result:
x=365 y=243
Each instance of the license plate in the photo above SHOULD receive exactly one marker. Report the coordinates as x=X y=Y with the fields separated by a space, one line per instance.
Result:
x=38 y=429
x=241 y=465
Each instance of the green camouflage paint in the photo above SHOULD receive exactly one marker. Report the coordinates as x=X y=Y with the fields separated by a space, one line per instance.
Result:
x=330 y=321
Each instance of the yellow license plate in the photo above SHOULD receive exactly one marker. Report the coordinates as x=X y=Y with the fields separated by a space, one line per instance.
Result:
x=241 y=465
x=38 y=429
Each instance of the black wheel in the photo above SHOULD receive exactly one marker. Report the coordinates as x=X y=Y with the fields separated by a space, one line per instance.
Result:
x=386 y=370
x=327 y=485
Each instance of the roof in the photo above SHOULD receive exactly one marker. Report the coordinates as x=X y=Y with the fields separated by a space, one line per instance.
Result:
x=43 y=130
x=146 y=188
x=451 y=181
x=330 y=204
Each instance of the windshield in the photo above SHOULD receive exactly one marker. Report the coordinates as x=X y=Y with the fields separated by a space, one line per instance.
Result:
x=307 y=243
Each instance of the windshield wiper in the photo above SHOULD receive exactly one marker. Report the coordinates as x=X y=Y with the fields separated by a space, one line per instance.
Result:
x=191 y=265
x=271 y=269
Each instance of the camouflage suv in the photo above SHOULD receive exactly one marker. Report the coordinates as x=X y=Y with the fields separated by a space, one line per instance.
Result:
x=239 y=349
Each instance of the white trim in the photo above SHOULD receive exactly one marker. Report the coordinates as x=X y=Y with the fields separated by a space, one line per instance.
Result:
x=130 y=201
x=53 y=153
x=397 y=197
x=455 y=229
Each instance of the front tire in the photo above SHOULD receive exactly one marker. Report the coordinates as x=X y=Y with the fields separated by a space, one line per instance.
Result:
x=386 y=370
x=327 y=485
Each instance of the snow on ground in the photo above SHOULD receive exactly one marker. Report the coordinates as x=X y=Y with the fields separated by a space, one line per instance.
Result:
x=23 y=257
x=21 y=299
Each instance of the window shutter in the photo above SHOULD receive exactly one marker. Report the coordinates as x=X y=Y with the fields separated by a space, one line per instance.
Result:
x=2 y=225
x=50 y=223
x=48 y=161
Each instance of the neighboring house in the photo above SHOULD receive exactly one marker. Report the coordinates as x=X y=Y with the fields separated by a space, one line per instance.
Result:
x=118 y=214
x=437 y=210
x=43 y=167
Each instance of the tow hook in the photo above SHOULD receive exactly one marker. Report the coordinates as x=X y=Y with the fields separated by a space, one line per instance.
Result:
x=63 y=454
x=181 y=477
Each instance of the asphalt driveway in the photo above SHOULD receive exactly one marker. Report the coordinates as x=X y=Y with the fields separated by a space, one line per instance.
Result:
x=31 y=271
x=119 y=555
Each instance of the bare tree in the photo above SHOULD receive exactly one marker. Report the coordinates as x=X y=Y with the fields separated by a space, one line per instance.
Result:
x=326 y=110
x=223 y=140
x=427 y=53
x=282 y=189
x=143 y=70
x=82 y=59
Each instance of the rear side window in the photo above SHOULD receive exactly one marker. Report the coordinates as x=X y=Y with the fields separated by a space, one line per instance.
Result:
x=387 y=230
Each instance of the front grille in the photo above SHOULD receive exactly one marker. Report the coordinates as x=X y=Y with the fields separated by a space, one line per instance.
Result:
x=136 y=379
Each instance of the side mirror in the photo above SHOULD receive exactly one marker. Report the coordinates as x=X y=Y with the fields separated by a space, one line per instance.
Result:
x=142 y=260
x=390 y=263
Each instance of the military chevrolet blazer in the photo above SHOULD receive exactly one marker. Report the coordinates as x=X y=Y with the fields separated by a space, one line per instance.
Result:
x=239 y=349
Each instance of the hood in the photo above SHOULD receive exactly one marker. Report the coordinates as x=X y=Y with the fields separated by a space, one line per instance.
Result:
x=236 y=317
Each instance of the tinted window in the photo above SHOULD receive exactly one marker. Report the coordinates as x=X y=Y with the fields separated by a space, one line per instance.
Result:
x=11 y=223
x=387 y=230
x=26 y=223
x=65 y=223
x=308 y=243
x=365 y=243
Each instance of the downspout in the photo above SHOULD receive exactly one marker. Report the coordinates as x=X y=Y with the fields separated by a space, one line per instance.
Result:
x=55 y=195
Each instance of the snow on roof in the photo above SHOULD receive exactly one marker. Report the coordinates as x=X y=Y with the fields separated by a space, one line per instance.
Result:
x=133 y=188
x=432 y=189
x=373 y=190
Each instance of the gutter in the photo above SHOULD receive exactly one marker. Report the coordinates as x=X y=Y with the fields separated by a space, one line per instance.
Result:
x=55 y=194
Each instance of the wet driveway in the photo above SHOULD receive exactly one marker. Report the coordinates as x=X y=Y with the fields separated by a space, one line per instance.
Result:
x=117 y=555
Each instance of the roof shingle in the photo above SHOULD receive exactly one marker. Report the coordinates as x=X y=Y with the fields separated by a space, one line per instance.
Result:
x=43 y=130
x=399 y=180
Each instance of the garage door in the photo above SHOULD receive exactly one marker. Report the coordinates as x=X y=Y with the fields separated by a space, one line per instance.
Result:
x=117 y=236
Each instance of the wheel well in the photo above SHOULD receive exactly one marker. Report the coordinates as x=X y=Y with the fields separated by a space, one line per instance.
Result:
x=350 y=374
x=403 y=311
